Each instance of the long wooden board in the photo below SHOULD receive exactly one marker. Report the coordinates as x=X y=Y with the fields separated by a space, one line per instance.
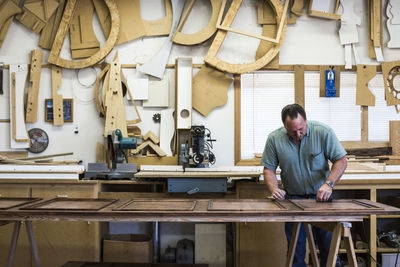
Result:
x=12 y=202
x=245 y=205
x=74 y=204
x=337 y=205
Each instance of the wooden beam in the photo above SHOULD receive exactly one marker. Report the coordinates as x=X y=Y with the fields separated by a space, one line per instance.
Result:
x=33 y=91
x=299 y=97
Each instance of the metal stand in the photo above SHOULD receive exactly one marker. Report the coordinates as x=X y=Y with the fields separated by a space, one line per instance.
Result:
x=32 y=241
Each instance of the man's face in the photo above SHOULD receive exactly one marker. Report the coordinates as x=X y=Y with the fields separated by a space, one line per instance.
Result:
x=296 y=128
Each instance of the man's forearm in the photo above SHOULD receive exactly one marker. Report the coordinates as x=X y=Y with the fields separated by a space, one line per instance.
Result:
x=270 y=179
x=338 y=169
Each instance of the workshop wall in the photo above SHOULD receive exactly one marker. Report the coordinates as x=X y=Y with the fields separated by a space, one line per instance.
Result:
x=309 y=41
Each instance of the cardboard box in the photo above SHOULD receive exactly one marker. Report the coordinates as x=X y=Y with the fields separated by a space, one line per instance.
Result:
x=128 y=248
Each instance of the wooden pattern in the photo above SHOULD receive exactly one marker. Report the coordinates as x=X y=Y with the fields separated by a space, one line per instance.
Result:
x=202 y=35
x=54 y=56
x=35 y=14
x=114 y=101
x=321 y=14
x=83 y=40
x=312 y=205
x=71 y=204
x=158 y=205
x=7 y=11
x=49 y=31
x=245 y=205
x=265 y=46
x=211 y=57
x=33 y=92
x=394 y=136
x=365 y=73
x=298 y=6
x=389 y=71
x=299 y=97
x=210 y=89
x=58 y=107
x=12 y=202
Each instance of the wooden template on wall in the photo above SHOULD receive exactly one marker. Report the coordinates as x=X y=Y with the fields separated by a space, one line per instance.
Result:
x=68 y=110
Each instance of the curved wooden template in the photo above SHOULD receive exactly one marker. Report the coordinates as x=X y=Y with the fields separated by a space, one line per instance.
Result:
x=54 y=56
x=161 y=26
x=202 y=35
x=96 y=89
x=211 y=57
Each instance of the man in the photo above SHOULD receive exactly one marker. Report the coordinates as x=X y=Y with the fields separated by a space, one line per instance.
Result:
x=302 y=149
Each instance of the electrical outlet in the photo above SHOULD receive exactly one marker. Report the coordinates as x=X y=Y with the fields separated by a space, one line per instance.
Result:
x=76 y=129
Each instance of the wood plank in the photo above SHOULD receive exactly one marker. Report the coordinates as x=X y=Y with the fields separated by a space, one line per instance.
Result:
x=33 y=91
x=394 y=136
x=299 y=95
x=364 y=123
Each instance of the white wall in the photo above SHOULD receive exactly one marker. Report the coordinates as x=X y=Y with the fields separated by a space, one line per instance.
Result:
x=310 y=41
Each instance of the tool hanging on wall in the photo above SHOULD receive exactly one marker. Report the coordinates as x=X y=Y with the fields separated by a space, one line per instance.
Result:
x=39 y=140
x=330 y=90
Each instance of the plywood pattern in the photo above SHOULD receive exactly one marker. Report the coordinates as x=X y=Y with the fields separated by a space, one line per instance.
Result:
x=388 y=71
x=211 y=57
x=18 y=133
x=132 y=26
x=35 y=14
x=7 y=11
x=245 y=205
x=202 y=35
x=210 y=89
x=54 y=56
x=268 y=30
x=33 y=91
x=365 y=73
x=50 y=29
x=158 y=205
x=7 y=203
x=337 y=205
x=71 y=204
x=83 y=40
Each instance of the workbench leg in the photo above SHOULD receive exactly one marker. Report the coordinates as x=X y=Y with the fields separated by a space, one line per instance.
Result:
x=310 y=238
x=14 y=239
x=32 y=242
x=334 y=248
x=293 y=243
x=348 y=241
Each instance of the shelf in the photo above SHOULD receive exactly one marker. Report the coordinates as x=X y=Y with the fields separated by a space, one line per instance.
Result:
x=388 y=216
x=388 y=250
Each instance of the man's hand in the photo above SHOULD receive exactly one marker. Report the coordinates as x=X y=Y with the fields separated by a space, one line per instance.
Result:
x=278 y=194
x=324 y=193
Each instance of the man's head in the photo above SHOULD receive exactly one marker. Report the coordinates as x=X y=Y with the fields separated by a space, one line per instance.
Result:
x=295 y=121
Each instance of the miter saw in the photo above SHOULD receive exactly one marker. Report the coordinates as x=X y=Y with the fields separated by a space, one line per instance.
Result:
x=116 y=156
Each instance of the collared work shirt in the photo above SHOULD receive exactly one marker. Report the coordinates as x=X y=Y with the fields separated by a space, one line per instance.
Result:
x=304 y=168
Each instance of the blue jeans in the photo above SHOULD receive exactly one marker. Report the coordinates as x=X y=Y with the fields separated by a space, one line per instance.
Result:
x=323 y=240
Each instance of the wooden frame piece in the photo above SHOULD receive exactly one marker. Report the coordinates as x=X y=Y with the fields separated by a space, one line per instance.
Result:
x=389 y=71
x=261 y=37
x=325 y=15
x=99 y=203
x=67 y=108
x=33 y=91
x=58 y=104
x=211 y=57
x=18 y=133
x=54 y=56
x=312 y=205
x=202 y=35
x=156 y=204
x=244 y=205
x=12 y=202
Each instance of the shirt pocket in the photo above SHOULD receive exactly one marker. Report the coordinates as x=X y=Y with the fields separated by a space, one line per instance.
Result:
x=317 y=161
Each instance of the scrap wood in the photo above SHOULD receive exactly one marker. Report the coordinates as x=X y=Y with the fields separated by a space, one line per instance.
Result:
x=46 y=156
